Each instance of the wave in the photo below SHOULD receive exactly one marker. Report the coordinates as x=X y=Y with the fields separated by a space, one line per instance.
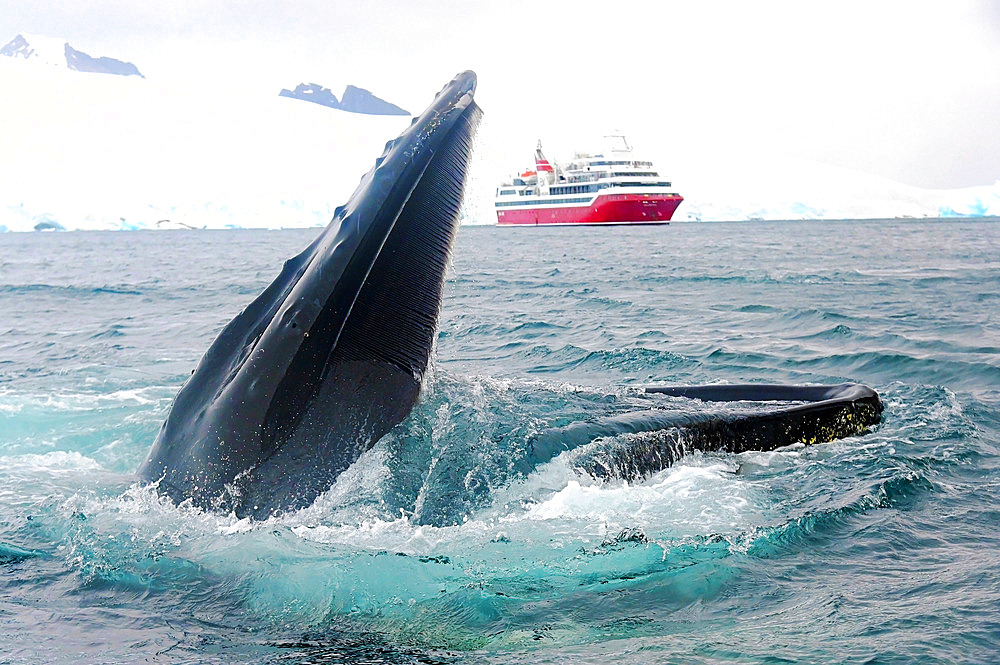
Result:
x=816 y=528
x=435 y=545
x=67 y=290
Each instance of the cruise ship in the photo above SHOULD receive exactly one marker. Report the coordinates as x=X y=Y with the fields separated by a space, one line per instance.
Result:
x=607 y=188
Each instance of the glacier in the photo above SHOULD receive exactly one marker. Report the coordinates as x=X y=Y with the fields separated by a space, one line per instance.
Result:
x=86 y=152
x=121 y=153
x=762 y=186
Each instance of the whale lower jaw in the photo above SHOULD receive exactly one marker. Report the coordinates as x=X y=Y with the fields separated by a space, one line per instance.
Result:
x=640 y=444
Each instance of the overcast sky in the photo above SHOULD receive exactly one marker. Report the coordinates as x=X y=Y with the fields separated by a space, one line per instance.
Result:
x=905 y=89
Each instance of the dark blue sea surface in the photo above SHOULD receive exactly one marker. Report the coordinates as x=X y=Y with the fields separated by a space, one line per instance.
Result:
x=880 y=548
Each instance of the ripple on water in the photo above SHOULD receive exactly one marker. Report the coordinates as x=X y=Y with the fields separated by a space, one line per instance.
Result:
x=433 y=547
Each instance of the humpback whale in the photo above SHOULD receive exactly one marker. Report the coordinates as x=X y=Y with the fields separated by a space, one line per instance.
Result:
x=331 y=355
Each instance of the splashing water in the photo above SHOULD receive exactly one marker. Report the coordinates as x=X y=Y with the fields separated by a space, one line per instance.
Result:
x=433 y=546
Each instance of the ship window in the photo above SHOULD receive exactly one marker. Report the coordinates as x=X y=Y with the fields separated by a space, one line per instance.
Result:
x=577 y=199
x=639 y=184
x=574 y=189
x=633 y=174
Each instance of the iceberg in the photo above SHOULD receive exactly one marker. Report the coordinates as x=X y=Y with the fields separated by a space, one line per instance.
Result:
x=972 y=202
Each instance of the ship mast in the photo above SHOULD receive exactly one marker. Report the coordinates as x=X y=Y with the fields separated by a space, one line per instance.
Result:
x=546 y=173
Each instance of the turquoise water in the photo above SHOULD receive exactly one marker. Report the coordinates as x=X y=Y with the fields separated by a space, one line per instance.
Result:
x=881 y=548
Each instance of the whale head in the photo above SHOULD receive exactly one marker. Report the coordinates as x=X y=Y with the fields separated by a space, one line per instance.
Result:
x=331 y=355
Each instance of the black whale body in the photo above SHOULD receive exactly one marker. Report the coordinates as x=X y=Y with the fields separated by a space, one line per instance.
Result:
x=331 y=355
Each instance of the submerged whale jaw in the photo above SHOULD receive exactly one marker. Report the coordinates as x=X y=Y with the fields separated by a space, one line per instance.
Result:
x=657 y=438
x=331 y=355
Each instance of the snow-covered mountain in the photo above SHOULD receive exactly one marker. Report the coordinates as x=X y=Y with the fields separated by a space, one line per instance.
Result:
x=134 y=153
x=354 y=99
x=58 y=53
x=123 y=152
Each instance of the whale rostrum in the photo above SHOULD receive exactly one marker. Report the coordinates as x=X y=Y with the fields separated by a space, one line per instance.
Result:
x=330 y=356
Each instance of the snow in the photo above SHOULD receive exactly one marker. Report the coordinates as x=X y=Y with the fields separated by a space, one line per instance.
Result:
x=116 y=152
x=113 y=152
x=973 y=201
x=762 y=186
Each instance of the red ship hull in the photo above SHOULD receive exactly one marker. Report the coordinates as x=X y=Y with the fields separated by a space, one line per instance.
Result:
x=606 y=209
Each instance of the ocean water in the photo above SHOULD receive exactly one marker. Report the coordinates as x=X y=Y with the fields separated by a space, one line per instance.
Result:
x=881 y=548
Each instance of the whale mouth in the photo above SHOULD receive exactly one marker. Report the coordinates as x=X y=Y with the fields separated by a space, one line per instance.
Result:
x=781 y=415
x=331 y=355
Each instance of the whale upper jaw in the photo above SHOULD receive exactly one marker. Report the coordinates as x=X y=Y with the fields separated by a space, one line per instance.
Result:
x=330 y=356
